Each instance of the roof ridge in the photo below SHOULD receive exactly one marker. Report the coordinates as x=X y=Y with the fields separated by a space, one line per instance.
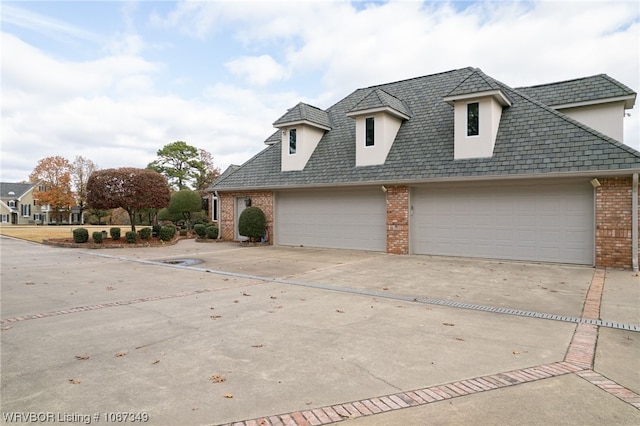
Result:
x=565 y=81
x=412 y=78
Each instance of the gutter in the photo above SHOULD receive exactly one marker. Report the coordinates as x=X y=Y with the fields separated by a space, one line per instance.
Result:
x=453 y=179
x=634 y=223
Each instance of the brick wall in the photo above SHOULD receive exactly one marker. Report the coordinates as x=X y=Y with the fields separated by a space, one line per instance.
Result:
x=263 y=200
x=613 y=222
x=398 y=219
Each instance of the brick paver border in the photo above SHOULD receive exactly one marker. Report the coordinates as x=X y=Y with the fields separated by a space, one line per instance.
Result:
x=578 y=360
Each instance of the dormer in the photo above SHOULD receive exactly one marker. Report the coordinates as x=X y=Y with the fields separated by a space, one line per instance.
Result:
x=478 y=103
x=301 y=129
x=378 y=116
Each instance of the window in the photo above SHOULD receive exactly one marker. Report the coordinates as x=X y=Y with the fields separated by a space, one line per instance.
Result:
x=25 y=210
x=5 y=218
x=369 y=139
x=11 y=203
x=37 y=217
x=214 y=210
x=292 y=141
x=473 y=119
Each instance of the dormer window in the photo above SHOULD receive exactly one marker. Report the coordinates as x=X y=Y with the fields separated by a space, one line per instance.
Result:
x=369 y=139
x=292 y=141
x=11 y=203
x=473 y=119
x=301 y=130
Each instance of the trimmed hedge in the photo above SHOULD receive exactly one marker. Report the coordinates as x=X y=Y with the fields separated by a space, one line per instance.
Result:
x=145 y=233
x=200 y=229
x=115 y=233
x=97 y=237
x=80 y=235
x=212 y=232
x=131 y=237
x=167 y=233
x=252 y=223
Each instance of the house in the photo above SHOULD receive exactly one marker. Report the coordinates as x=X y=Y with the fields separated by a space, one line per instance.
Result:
x=455 y=164
x=17 y=205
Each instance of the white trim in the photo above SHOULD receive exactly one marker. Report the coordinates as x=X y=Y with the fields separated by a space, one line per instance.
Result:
x=300 y=122
x=496 y=94
x=629 y=102
x=370 y=111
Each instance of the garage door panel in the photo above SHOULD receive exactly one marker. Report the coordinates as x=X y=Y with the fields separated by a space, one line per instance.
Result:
x=548 y=222
x=351 y=219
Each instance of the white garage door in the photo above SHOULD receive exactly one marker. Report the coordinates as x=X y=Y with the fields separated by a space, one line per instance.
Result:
x=543 y=222
x=349 y=219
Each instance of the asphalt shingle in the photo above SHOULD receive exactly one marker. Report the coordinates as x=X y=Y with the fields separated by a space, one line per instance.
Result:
x=533 y=139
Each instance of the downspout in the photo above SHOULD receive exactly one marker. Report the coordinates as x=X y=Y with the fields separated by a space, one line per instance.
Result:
x=218 y=211
x=634 y=223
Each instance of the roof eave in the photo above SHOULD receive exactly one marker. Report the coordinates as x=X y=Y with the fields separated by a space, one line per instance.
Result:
x=629 y=102
x=299 y=122
x=386 y=109
x=587 y=174
x=498 y=95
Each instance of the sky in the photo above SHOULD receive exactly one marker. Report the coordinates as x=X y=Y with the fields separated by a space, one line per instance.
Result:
x=115 y=81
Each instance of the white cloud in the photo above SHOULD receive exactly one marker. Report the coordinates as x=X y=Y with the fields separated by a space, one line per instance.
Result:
x=257 y=70
x=116 y=111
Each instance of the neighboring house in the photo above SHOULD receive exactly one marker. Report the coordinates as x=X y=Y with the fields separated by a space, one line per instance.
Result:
x=17 y=205
x=454 y=164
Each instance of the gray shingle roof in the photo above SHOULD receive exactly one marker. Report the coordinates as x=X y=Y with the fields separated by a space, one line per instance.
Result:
x=476 y=82
x=380 y=99
x=533 y=139
x=585 y=89
x=304 y=112
x=18 y=189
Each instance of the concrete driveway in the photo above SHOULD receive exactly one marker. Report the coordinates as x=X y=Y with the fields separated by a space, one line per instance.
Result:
x=275 y=335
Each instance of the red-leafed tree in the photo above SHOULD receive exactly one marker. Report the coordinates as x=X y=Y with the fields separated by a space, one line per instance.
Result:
x=54 y=177
x=130 y=188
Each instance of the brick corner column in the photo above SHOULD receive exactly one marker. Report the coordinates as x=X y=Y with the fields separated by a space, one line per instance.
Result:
x=398 y=219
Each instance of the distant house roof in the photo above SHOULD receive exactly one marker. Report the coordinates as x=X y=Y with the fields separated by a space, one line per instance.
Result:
x=588 y=89
x=10 y=190
x=533 y=140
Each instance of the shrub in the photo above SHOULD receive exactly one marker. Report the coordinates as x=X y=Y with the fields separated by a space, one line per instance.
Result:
x=183 y=232
x=131 y=237
x=97 y=237
x=80 y=235
x=145 y=233
x=212 y=232
x=200 y=229
x=156 y=230
x=252 y=223
x=167 y=233
x=115 y=233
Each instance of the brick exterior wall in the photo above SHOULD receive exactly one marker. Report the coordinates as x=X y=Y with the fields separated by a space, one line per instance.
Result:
x=263 y=199
x=398 y=220
x=613 y=222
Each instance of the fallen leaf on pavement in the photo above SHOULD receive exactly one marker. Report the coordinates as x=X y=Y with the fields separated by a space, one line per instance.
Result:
x=215 y=316
x=516 y=353
x=228 y=395
x=83 y=356
x=448 y=324
x=244 y=293
x=256 y=346
x=119 y=354
x=339 y=311
x=74 y=381
x=155 y=362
